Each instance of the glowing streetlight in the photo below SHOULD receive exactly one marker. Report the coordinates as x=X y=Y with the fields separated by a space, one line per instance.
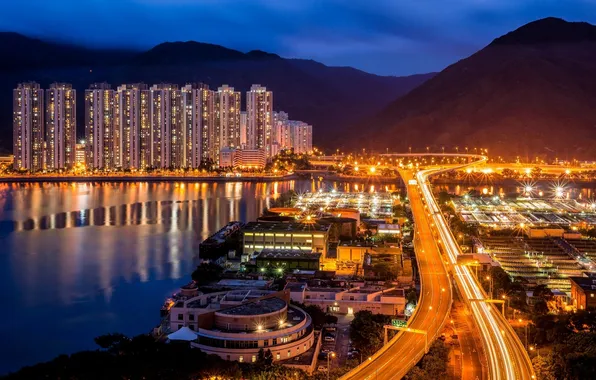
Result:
x=372 y=169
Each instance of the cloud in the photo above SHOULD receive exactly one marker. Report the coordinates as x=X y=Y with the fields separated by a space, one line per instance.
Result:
x=383 y=36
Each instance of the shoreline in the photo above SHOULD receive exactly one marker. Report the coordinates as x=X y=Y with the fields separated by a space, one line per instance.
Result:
x=75 y=179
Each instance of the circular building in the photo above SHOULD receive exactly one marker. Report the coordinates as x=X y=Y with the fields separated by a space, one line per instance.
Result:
x=239 y=332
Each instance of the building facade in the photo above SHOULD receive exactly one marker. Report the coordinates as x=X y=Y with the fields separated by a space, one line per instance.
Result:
x=250 y=158
x=378 y=300
x=285 y=236
x=167 y=139
x=227 y=119
x=99 y=126
x=259 y=110
x=243 y=127
x=583 y=292
x=28 y=127
x=60 y=126
x=270 y=323
x=197 y=120
x=132 y=129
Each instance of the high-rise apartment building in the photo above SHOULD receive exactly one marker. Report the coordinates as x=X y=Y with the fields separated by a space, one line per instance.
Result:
x=301 y=137
x=60 y=126
x=227 y=119
x=198 y=123
x=132 y=129
x=166 y=126
x=259 y=109
x=28 y=127
x=99 y=126
x=243 y=127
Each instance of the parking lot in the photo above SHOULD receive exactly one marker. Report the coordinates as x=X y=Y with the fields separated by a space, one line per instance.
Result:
x=336 y=342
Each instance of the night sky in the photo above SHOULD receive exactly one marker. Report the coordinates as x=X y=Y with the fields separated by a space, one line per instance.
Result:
x=389 y=37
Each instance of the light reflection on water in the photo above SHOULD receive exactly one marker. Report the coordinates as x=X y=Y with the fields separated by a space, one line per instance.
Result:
x=80 y=260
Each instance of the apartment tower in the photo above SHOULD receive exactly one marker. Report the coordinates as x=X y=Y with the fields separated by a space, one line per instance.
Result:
x=99 y=126
x=132 y=131
x=60 y=126
x=227 y=119
x=259 y=109
x=28 y=127
x=197 y=123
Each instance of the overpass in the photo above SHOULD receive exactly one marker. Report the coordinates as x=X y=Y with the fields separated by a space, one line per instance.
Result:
x=506 y=356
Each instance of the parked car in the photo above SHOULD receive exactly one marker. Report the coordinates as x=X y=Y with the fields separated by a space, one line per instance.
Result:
x=329 y=338
x=322 y=368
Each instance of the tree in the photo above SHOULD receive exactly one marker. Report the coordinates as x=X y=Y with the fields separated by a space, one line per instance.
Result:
x=411 y=296
x=264 y=358
x=331 y=319
x=207 y=273
x=385 y=271
x=540 y=307
x=111 y=342
x=366 y=331
x=542 y=291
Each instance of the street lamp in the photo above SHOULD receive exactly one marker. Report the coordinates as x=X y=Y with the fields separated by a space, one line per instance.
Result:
x=330 y=355
x=489 y=278
x=507 y=304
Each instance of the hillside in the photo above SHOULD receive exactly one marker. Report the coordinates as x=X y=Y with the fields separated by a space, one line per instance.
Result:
x=328 y=97
x=530 y=92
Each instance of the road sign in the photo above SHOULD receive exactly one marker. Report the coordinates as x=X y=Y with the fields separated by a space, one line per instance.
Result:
x=398 y=323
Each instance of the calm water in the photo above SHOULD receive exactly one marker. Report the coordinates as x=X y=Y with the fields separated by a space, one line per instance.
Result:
x=81 y=260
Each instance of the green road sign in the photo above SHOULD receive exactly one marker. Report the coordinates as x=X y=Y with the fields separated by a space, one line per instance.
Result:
x=398 y=323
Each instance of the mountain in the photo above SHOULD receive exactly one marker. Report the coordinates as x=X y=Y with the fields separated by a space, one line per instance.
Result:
x=329 y=98
x=530 y=92
x=20 y=52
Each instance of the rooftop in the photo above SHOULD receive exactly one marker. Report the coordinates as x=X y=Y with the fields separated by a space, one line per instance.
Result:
x=296 y=286
x=265 y=306
x=289 y=254
x=284 y=227
x=586 y=283
x=234 y=283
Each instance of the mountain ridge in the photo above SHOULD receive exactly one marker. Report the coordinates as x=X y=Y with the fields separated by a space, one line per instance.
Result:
x=515 y=99
x=308 y=90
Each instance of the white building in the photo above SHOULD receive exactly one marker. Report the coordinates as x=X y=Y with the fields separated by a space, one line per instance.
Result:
x=378 y=300
x=28 y=127
x=60 y=120
x=259 y=109
x=99 y=126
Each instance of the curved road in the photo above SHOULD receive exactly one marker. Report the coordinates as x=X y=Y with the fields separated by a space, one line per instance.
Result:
x=402 y=352
x=506 y=355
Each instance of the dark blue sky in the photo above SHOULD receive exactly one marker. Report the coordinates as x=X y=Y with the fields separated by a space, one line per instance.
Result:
x=396 y=37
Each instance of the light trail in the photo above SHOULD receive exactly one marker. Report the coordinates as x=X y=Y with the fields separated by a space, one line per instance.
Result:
x=507 y=358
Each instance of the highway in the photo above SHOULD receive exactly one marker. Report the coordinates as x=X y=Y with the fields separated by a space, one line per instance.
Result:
x=406 y=348
x=506 y=356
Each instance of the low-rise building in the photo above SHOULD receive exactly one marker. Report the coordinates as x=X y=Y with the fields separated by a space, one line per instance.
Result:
x=288 y=260
x=268 y=323
x=250 y=158
x=388 y=301
x=310 y=237
x=583 y=292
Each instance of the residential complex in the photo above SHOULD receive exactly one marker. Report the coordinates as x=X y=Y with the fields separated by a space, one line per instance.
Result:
x=137 y=127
